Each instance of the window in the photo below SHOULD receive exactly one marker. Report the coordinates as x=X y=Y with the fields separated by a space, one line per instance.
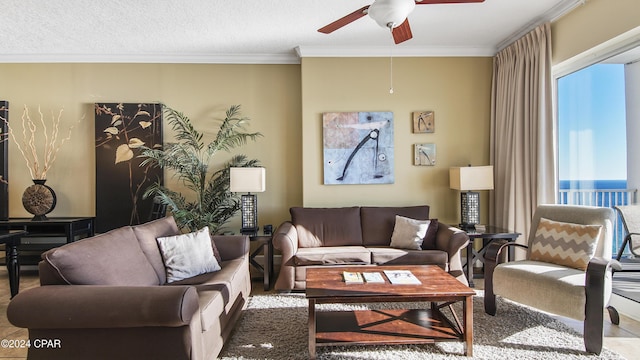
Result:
x=595 y=119
x=592 y=150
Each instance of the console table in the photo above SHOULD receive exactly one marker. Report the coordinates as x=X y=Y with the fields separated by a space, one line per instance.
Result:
x=11 y=240
x=488 y=235
x=61 y=227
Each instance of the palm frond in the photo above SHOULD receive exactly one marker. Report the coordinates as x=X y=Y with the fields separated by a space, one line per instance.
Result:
x=214 y=204
x=232 y=132
x=185 y=132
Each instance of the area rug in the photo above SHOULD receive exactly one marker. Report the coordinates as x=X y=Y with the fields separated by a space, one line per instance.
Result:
x=274 y=326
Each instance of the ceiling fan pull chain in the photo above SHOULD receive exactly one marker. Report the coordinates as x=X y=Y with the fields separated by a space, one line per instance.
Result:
x=391 y=72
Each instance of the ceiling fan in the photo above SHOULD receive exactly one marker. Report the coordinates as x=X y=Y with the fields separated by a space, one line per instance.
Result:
x=391 y=14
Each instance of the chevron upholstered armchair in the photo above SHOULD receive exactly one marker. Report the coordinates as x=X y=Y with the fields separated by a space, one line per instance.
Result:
x=567 y=269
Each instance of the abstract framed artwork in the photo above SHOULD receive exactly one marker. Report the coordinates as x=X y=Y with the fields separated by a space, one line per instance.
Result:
x=358 y=147
x=424 y=122
x=120 y=130
x=4 y=160
x=424 y=154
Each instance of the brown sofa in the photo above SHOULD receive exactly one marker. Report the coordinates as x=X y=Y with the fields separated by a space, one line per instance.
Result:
x=362 y=236
x=105 y=297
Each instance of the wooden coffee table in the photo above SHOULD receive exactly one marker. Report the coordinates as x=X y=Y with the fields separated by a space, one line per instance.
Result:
x=325 y=285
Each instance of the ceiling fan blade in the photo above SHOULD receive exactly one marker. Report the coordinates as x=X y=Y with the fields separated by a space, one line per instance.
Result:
x=344 y=20
x=402 y=33
x=429 y=2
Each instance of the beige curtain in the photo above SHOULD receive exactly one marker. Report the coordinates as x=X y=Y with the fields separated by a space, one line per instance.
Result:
x=522 y=131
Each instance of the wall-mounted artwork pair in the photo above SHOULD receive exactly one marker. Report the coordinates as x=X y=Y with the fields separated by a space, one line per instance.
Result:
x=424 y=122
x=358 y=147
x=121 y=129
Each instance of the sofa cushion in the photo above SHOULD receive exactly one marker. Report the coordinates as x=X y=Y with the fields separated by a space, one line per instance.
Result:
x=408 y=233
x=345 y=255
x=112 y=258
x=429 y=241
x=393 y=256
x=188 y=255
x=147 y=234
x=543 y=285
x=378 y=222
x=566 y=244
x=327 y=226
x=219 y=291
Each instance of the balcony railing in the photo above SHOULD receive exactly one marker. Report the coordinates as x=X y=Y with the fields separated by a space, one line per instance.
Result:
x=605 y=198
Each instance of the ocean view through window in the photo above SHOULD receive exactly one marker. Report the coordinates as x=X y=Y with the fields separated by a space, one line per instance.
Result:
x=592 y=140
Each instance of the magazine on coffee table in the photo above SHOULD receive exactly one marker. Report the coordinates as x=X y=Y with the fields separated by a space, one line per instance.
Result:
x=402 y=277
x=373 y=277
x=351 y=277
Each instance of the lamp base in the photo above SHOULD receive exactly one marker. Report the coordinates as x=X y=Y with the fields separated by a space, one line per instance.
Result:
x=249 y=207
x=469 y=209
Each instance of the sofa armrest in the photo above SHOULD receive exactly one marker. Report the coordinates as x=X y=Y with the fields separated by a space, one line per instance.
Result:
x=452 y=240
x=285 y=239
x=100 y=306
x=231 y=246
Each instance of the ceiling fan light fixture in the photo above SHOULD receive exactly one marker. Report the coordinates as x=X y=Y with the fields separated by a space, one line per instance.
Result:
x=391 y=13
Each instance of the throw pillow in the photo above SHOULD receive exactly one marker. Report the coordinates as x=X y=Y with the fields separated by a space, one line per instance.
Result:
x=408 y=233
x=188 y=255
x=567 y=244
x=429 y=242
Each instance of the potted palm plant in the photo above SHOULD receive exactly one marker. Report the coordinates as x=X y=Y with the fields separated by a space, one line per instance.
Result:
x=209 y=201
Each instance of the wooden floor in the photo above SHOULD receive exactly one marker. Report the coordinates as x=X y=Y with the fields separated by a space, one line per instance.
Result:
x=623 y=339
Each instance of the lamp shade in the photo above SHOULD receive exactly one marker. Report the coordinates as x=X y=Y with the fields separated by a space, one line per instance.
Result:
x=471 y=178
x=247 y=179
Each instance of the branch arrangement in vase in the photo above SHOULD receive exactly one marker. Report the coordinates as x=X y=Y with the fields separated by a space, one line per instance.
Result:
x=36 y=135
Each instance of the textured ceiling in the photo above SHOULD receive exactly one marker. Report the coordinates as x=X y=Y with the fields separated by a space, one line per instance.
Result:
x=258 y=31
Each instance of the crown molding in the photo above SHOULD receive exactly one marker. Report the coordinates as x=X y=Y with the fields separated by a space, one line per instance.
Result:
x=386 y=51
x=153 y=58
x=552 y=15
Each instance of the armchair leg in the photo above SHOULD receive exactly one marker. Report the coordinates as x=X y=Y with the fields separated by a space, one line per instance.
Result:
x=489 y=296
x=491 y=259
x=594 y=307
x=613 y=315
x=593 y=332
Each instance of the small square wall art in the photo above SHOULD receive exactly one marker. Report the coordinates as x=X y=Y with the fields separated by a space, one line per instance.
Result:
x=424 y=122
x=424 y=154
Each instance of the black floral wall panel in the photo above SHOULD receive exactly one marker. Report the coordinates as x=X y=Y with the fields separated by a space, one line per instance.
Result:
x=121 y=130
x=4 y=161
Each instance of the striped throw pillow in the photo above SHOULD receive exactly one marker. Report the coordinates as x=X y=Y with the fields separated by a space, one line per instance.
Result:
x=566 y=244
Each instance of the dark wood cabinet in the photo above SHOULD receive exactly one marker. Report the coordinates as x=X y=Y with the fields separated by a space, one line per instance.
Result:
x=47 y=234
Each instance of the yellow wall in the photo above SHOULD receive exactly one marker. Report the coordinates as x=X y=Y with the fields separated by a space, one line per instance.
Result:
x=285 y=103
x=457 y=89
x=592 y=24
x=269 y=95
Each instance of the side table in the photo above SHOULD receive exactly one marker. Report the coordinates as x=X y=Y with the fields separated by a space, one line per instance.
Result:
x=265 y=247
x=11 y=240
x=488 y=235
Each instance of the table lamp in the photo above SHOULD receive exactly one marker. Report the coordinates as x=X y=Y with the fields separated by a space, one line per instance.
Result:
x=248 y=179
x=467 y=179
